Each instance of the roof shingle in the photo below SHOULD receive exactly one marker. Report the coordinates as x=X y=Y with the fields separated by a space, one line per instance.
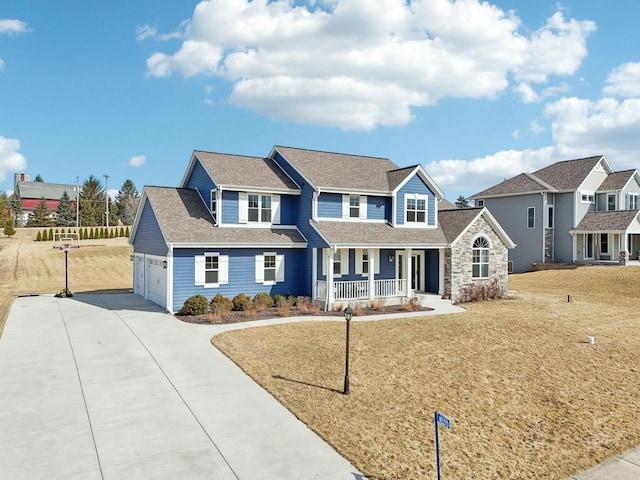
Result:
x=616 y=180
x=615 y=220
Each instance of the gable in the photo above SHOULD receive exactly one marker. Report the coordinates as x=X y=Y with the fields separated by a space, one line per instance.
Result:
x=147 y=236
x=200 y=180
x=415 y=186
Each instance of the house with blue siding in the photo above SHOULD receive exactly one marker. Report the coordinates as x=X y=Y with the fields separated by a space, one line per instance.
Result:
x=335 y=227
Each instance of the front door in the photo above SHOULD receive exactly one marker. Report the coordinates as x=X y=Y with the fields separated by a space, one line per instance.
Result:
x=588 y=246
x=417 y=268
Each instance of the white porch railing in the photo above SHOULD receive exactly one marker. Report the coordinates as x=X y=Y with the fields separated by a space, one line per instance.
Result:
x=359 y=289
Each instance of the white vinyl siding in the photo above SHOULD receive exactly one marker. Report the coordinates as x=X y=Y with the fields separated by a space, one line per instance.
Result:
x=269 y=268
x=208 y=267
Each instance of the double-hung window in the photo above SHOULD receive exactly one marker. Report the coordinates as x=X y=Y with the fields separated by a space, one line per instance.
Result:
x=611 y=201
x=633 y=201
x=258 y=208
x=416 y=209
x=337 y=263
x=480 y=261
x=211 y=270
x=269 y=268
x=354 y=206
x=265 y=208
x=254 y=208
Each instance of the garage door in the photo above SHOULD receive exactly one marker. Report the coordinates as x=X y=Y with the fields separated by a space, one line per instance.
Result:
x=156 y=280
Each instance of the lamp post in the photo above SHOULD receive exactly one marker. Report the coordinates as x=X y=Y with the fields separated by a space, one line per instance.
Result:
x=66 y=247
x=348 y=313
x=106 y=190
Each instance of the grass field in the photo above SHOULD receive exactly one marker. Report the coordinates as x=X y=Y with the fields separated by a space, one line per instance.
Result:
x=28 y=266
x=529 y=398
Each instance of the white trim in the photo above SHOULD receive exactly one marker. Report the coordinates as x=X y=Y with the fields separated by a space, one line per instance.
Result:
x=353 y=220
x=243 y=207
x=441 y=253
x=416 y=224
x=254 y=189
x=239 y=245
x=427 y=179
x=271 y=155
x=314 y=272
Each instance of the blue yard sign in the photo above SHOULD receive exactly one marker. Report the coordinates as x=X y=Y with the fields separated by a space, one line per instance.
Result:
x=445 y=422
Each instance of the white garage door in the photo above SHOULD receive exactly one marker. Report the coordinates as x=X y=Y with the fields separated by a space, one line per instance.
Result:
x=156 y=280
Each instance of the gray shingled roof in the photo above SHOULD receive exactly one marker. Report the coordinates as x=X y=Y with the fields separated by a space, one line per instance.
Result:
x=446 y=205
x=616 y=180
x=50 y=191
x=560 y=176
x=242 y=171
x=341 y=171
x=519 y=184
x=184 y=219
x=453 y=222
x=397 y=176
x=611 y=221
x=568 y=174
x=378 y=234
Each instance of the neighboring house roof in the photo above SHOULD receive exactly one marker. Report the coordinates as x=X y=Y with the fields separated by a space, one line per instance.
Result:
x=50 y=191
x=617 y=180
x=356 y=234
x=185 y=220
x=242 y=171
x=446 y=205
x=611 y=221
x=340 y=171
x=455 y=222
x=567 y=175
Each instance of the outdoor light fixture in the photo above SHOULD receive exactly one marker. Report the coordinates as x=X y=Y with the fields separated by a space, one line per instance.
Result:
x=131 y=258
x=348 y=313
x=164 y=264
x=391 y=258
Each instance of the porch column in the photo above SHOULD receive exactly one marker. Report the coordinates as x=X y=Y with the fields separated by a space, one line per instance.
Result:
x=329 y=269
x=441 y=271
x=372 y=270
x=407 y=270
x=314 y=273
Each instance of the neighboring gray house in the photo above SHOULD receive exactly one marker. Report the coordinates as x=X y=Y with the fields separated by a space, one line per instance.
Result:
x=571 y=211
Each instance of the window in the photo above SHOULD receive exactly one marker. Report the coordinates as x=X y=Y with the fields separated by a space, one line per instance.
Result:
x=480 y=263
x=269 y=268
x=211 y=270
x=611 y=201
x=604 y=243
x=364 y=259
x=337 y=263
x=354 y=206
x=531 y=217
x=258 y=208
x=480 y=203
x=211 y=266
x=587 y=198
x=550 y=216
x=633 y=201
x=213 y=207
x=365 y=262
x=416 y=209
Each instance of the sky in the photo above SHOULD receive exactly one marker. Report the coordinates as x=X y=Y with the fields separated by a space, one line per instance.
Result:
x=476 y=92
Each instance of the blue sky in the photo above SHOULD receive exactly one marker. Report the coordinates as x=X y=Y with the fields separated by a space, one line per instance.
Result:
x=475 y=92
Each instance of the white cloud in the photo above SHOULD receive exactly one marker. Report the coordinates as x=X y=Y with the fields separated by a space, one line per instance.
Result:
x=1 y=65
x=624 y=81
x=148 y=31
x=11 y=160
x=516 y=134
x=137 y=161
x=535 y=128
x=12 y=26
x=327 y=62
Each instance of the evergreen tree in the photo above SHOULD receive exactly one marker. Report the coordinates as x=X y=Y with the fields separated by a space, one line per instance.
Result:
x=92 y=202
x=39 y=179
x=127 y=232
x=65 y=215
x=45 y=236
x=15 y=207
x=39 y=236
x=9 y=228
x=127 y=202
x=41 y=216
x=4 y=208
x=462 y=202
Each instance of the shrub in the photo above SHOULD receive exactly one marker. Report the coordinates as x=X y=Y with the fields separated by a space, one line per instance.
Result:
x=314 y=308
x=195 y=305
x=262 y=301
x=250 y=311
x=357 y=309
x=291 y=299
x=302 y=303
x=126 y=232
x=377 y=305
x=221 y=304
x=45 y=235
x=241 y=302
x=338 y=307
x=283 y=306
x=410 y=305
x=51 y=234
x=39 y=237
x=121 y=234
x=475 y=292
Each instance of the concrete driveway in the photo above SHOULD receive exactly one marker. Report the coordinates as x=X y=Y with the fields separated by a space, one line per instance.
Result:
x=108 y=386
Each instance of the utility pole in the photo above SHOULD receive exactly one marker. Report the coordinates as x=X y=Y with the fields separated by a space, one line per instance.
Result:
x=77 y=203
x=106 y=190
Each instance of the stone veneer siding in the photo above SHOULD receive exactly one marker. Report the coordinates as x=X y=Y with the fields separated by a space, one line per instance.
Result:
x=459 y=259
x=548 y=245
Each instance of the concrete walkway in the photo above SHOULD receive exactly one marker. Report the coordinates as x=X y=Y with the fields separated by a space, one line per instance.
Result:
x=108 y=386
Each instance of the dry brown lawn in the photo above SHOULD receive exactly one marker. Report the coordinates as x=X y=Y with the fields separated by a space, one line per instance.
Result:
x=27 y=266
x=528 y=397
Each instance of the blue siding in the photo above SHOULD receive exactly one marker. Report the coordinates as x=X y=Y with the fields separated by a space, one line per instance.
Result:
x=305 y=205
x=200 y=180
x=378 y=208
x=387 y=268
x=330 y=205
x=229 y=207
x=289 y=209
x=148 y=237
x=416 y=185
x=241 y=274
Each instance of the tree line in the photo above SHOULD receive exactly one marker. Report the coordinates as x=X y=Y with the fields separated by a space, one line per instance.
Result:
x=92 y=207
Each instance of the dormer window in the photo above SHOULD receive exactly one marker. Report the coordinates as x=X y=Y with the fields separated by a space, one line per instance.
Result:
x=416 y=209
x=633 y=201
x=611 y=201
x=587 y=198
x=354 y=206
x=257 y=208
